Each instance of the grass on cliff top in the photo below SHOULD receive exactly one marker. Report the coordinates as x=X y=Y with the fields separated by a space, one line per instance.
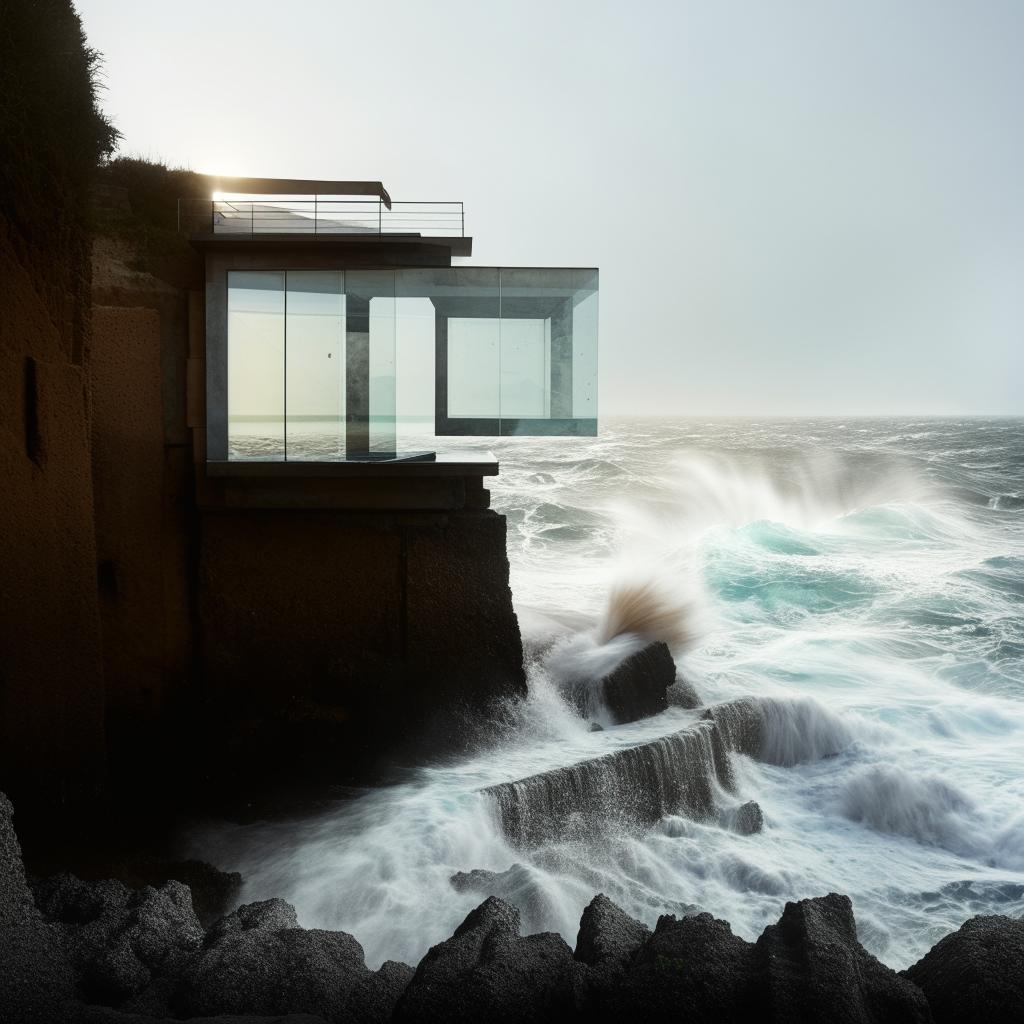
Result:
x=136 y=201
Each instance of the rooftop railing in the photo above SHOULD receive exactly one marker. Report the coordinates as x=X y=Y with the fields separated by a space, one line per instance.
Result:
x=319 y=216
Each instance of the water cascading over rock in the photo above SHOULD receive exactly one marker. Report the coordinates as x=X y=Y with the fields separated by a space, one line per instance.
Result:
x=627 y=788
x=675 y=774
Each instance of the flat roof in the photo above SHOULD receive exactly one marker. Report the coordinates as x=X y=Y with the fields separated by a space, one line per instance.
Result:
x=297 y=186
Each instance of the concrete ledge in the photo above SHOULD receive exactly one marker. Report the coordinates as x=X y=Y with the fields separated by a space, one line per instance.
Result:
x=455 y=245
x=451 y=464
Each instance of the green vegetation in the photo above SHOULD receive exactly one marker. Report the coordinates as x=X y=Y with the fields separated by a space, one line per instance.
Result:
x=52 y=139
x=137 y=201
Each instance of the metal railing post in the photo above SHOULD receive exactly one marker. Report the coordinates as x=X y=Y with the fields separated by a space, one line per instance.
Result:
x=213 y=216
x=462 y=217
x=252 y=218
x=380 y=216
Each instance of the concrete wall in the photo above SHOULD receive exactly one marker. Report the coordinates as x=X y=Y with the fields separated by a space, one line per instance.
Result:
x=340 y=636
x=129 y=477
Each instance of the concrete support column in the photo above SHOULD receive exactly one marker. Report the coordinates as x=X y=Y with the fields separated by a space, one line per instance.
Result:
x=357 y=376
x=561 y=362
x=440 y=369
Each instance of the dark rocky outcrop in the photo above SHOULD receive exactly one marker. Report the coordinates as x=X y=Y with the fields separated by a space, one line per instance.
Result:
x=809 y=967
x=815 y=969
x=608 y=937
x=34 y=978
x=118 y=939
x=689 y=969
x=747 y=819
x=487 y=972
x=213 y=890
x=975 y=975
x=265 y=915
x=145 y=950
x=519 y=886
x=373 y=1000
x=257 y=960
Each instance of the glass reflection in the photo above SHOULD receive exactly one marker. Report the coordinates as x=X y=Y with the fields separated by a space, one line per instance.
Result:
x=323 y=364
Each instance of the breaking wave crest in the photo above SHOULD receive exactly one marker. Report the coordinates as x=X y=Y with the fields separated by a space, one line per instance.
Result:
x=932 y=810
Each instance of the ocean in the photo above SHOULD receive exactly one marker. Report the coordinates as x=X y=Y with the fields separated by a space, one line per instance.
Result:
x=868 y=573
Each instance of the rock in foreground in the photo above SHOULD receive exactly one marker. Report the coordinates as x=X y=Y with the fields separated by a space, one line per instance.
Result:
x=975 y=975
x=144 y=951
x=815 y=969
x=488 y=972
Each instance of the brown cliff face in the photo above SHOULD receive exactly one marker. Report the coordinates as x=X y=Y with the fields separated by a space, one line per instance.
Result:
x=51 y=138
x=143 y=272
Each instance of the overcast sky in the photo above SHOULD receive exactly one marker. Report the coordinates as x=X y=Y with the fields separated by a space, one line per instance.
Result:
x=797 y=206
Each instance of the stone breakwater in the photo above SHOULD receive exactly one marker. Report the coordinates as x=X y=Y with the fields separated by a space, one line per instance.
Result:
x=100 y=952
x=677 y=774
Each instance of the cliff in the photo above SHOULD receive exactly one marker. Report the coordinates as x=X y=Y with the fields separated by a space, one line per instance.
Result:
x=129 y=582
x=51 y=140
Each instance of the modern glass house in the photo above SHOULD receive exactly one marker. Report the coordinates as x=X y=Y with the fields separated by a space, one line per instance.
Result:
x=343 y=327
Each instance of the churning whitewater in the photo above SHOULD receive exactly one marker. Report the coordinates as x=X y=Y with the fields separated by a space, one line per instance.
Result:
x=846 y=597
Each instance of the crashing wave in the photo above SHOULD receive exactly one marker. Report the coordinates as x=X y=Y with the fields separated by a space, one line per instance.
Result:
x=781 y=731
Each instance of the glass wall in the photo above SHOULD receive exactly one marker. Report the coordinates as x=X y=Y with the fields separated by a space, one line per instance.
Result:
x=314 y=365
x=256 y=365
x=323 y=364
x=515 y=349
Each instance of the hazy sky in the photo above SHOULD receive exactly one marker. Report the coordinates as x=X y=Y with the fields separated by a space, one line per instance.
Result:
x=797 y=207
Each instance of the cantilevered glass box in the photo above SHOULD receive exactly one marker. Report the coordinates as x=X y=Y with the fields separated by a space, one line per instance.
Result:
x=326 y=340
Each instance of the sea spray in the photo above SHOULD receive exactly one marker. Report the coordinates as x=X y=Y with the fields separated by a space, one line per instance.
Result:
x=649 y=610
x=873 y=570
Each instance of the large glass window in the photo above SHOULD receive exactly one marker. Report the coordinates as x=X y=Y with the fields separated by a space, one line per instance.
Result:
x=321 y=364
x=315 y=365
x=256 y=365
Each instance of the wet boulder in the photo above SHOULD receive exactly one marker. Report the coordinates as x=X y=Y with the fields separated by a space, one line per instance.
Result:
x=638 y=687
x=976 y=974
x=488 y=971
x=257 y=961
x=816 y=970
x=118 y=939
x=746 y=820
